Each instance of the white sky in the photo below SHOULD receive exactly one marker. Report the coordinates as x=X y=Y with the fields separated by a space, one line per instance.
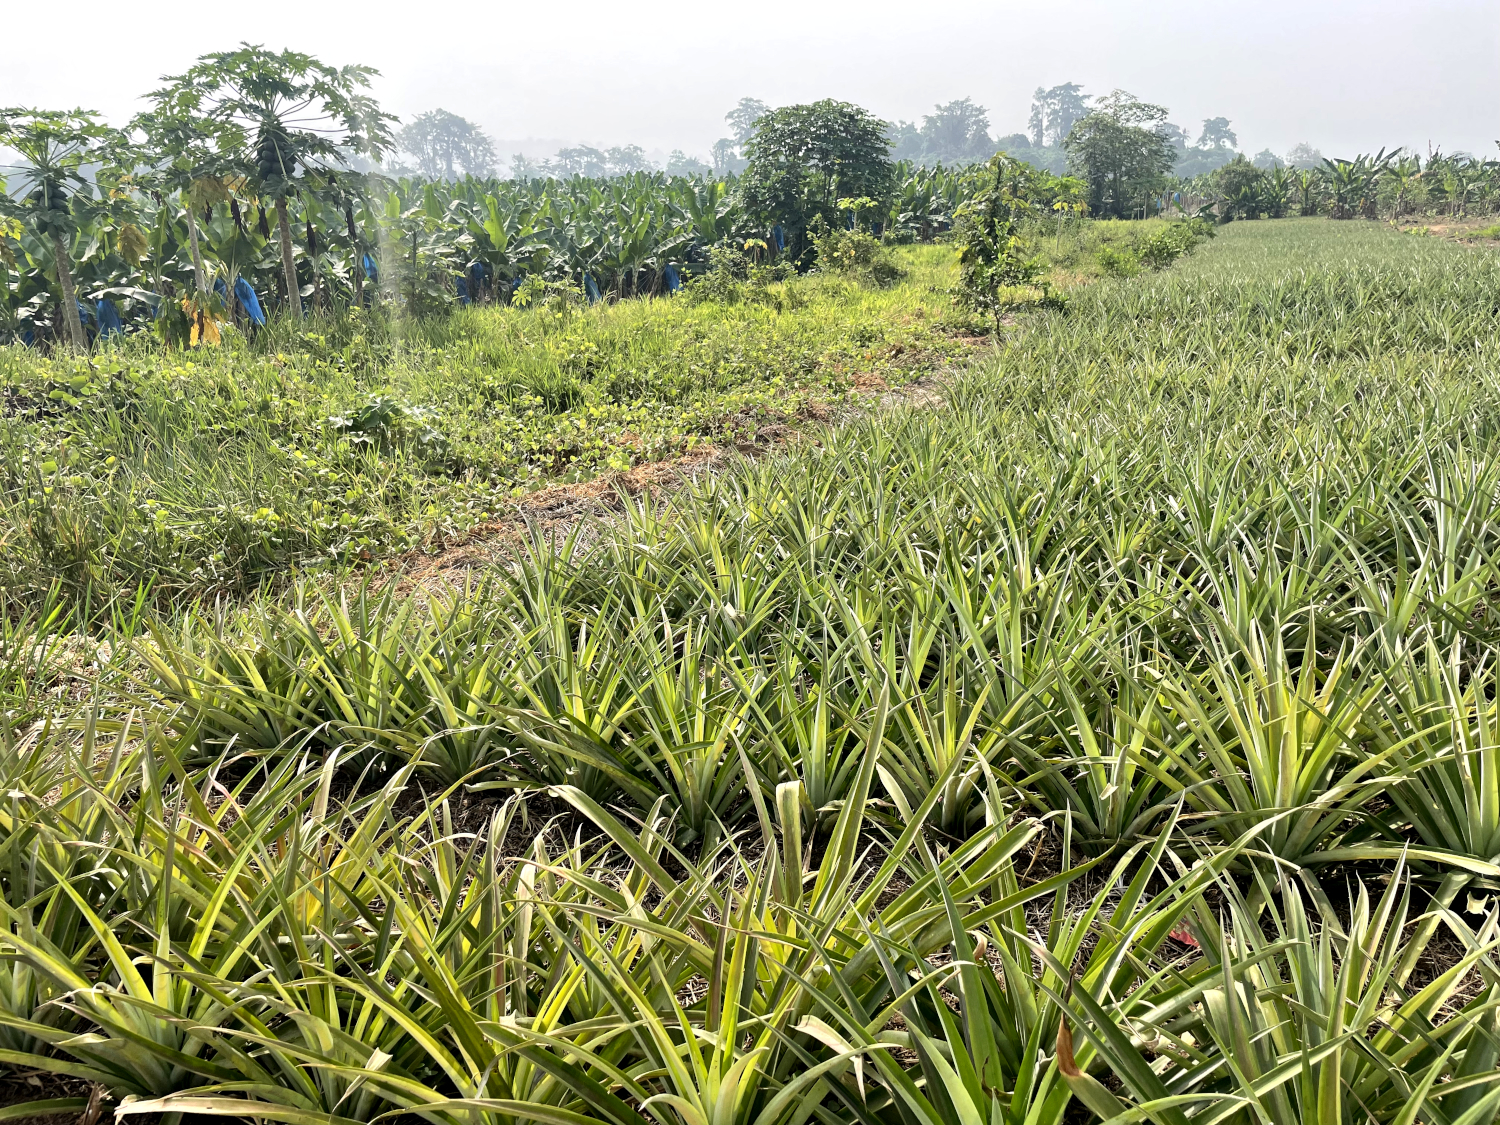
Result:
x=1345 y=75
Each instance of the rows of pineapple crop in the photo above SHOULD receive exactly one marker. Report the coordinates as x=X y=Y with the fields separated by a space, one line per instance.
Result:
x=1120 y=740
x=1216 y=565
x=233 y=941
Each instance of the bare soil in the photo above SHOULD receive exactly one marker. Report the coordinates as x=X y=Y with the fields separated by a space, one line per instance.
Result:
x=560 y=511
x=1454 y=228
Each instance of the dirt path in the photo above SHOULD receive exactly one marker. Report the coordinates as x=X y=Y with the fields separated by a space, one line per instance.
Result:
x=561 y=510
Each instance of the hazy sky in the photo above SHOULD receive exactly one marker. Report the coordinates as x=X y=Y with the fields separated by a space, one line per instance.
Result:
x=1345 y=75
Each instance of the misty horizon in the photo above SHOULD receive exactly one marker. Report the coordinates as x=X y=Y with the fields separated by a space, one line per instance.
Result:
x=1342 y=77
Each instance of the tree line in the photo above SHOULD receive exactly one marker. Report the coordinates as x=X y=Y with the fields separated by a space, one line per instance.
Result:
x=252 y=185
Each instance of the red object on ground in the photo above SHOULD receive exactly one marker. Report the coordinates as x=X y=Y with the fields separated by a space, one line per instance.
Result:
x=1184 y=935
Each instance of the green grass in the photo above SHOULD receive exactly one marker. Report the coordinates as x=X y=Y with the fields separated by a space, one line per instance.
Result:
x=212 y=471
x=1071 y=249
x=1157 y=665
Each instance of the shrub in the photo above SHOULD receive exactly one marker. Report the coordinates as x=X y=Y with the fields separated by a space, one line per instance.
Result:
x=1118 y=263
x=1159 y=250
x=732 y=277
x=992 y=254
x=854 y=253
x=554 y=296
x=1155 y=251
x=383 y=422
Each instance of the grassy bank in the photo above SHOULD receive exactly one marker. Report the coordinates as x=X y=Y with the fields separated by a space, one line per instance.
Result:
x=208 y=472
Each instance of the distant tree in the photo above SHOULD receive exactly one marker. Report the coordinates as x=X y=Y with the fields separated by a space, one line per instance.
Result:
x=728 y=153
x=52 y=190
x=907 y=142
x=958 y=131
x=1303 y=155
x=1266 y=159
x=622 y=161
x=1175 y=134
x=284 y=116
x=1014 y=140
x=1193 y=161
x=1036 y=122
x=1217 y=134
x=523 y=167
x=444 y=145
x=1125 y=107
x=805 y=158
x=742 y=118
x=1119 y=152
x=680 y=163
x=1054 y=112
x=725 y=156
x=580 y=160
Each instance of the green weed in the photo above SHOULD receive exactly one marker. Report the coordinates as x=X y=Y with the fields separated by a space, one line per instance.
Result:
x=350 y=439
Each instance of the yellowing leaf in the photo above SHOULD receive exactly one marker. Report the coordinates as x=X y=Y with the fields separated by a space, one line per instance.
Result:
x=205 y=326
x=208 y=190
x=133 y=244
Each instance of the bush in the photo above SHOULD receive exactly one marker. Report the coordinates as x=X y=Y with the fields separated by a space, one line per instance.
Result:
x=1159 y=250
x=1155 y=251
x=722 y=282
x=854 y=253
x=386 y=423
x=1239 y=186
x=554 y=296
x=993 y=258
x=1118 y=263
x=732 y=277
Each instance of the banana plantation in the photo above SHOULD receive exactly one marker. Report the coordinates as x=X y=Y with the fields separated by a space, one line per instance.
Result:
x=420 y=246
x=210 y=210
x=142 y=259
x=1389 y=185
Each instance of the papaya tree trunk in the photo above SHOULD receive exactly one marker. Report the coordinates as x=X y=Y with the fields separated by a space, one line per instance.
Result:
x=69 y=294
x=288 y=266
x=321 y=299
x=200 y=275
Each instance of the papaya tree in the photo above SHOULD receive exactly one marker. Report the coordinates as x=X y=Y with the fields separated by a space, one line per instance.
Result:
x=187 y=158
x=289 y=120
x=52 y=191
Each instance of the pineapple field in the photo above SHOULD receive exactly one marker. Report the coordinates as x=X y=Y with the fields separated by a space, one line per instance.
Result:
x=1117 y=739
x=993 y=665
